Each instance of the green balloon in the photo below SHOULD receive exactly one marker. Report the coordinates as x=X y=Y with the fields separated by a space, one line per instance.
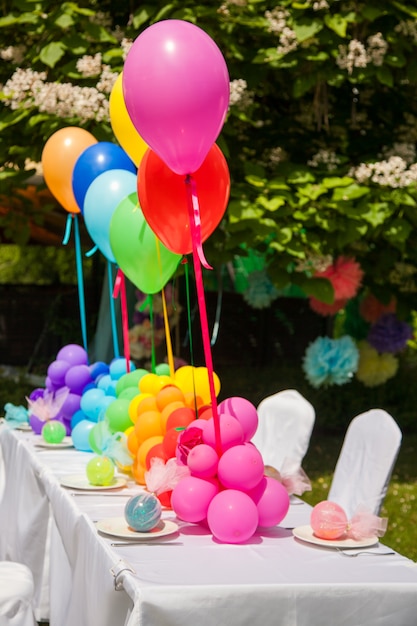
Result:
x=162 y=369
x=129 y=393
x=117 y=415
x=100 y=471
x=53 y=431
x=146 y=262
x=131 y=379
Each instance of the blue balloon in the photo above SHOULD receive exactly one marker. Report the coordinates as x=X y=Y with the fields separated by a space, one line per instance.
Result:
x=98 y=369
x=118 y=367
x=96 y=159
x=80 y=434
x=90 y=403
x=77 y=417
x=101 y=200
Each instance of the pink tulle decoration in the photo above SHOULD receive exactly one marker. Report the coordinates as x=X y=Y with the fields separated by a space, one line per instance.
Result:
x=328 y=520
x=163 y=476
x=346 y=277
x=365 y=524
x=327 y=309
x=295 y=481
x=371 y=308
x=48 y=406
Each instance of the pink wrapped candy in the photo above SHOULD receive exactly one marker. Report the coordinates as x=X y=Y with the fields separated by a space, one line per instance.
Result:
x=328 y=520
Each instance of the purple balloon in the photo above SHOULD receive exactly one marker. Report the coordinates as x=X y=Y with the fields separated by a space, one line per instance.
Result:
x=77 y=378
x=74 y=354
x=71 y=405
x=56 y=372
x=37 y=393
x=36 y=424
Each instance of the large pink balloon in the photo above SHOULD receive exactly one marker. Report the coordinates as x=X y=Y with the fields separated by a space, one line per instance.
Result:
x=232 y=516
x=176 y=90
x=191 y=497
x=272 y=501
x=241 y=467
x=244 y=411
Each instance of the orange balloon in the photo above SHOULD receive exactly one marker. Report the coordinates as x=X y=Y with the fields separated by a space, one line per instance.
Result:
x=147 y=445
x=122 y=126
x=147 y=425
x=147 y=404
x=138 y=472
x=59 y=155
x=193 y=401
x=163 y=198
x=166 y=412
x=132 y=442
x=169 y=394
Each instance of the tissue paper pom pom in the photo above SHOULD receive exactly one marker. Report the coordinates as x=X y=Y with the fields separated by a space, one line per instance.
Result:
x=328 y=520
x=345 y=275
x=375 y=369
x=389 y=334
x=260 y=292
x=330 y=361
x=371 y=308
x=327 y=309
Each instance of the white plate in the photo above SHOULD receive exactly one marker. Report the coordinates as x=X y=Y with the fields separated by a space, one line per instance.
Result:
x=65 y=443
x=24 y=426
x=305 y=533
x=80 y=481
x=118 y=527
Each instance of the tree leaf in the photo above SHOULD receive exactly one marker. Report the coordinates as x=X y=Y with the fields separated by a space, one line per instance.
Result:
x=336 y=23
x=52 y=53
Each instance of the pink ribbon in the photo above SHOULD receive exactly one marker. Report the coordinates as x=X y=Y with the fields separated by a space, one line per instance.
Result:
x=120 y=289
x=198 y=260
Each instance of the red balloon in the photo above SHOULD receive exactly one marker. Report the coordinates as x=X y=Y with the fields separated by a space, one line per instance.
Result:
x=163 y=198
x=181 y=417
x=169 y=443
x=155 y=451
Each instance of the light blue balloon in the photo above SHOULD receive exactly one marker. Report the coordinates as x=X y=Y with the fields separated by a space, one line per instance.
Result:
x=80 y=434
x=90 y=403
x=107 y=384
x=102 y=197
x=118 y=368
x=104 y=403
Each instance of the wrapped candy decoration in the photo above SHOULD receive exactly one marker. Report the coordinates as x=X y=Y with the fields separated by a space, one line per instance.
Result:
x=143 y=512
x=329 y=521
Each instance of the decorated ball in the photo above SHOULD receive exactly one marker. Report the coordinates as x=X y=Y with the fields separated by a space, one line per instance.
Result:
x=143 y=512
x=53 y=431
x=328 y=520
x=100 y=471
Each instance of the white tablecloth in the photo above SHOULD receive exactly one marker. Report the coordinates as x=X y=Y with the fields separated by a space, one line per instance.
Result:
x=273 y=580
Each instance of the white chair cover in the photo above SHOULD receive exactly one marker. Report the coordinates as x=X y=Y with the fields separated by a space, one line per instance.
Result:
x=16 y=595
x=286 y=421
x=366 y=460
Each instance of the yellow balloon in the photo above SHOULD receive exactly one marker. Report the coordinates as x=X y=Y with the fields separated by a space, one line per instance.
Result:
x=196 y=380
x=126 y=134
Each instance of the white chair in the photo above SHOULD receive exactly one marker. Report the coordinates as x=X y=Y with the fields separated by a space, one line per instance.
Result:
x=366 y=460
x=16 y=595
x=286 y=421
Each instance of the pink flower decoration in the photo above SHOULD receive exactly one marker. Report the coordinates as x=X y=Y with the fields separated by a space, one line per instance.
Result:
x=327 y=309
x=345 y=276
x=371 y=308
x=187 y=440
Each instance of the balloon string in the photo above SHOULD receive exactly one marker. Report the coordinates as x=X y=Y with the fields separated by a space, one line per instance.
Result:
x=67 y=233
x=196 y=241
x=112 y=310
x=80 y=276
x=92 y=251
x=120 y=288
x=195 y=220
x=189 y=322
x=151 y=319
x=170 y=355
x=216 y=325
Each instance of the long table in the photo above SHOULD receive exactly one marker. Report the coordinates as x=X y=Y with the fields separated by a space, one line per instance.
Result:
x=186 y=579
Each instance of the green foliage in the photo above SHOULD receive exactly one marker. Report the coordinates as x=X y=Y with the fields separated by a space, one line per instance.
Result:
x=334 y=89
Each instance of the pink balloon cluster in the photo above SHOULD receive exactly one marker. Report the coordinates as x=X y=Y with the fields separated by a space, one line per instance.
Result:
x=228 y=492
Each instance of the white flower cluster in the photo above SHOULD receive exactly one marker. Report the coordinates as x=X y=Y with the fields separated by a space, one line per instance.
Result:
x=277 y=24
x=407 y=132
x=224 y=8
x=27 y=88
x=13 y=54
x=392 y=172
x=357 y=55
x=239 y=95
x=405 y=150
x=320 y=5
x=89 y=66
x=403 y=275
x=408 y=28
x=313 y=262
x=126 y=44
x=277 y=155
x=324 y=157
